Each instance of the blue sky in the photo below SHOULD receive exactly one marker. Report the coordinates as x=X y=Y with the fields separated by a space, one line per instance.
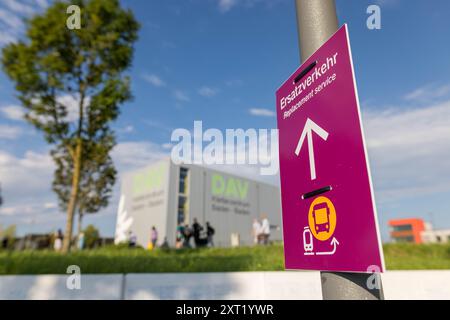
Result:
x=221 y=61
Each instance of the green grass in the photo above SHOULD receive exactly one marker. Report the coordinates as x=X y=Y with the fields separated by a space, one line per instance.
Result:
x=417 y=257
x=270 y=258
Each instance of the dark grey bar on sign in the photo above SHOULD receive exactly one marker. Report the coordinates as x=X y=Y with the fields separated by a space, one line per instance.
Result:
x=304 y=72
x=316 y=192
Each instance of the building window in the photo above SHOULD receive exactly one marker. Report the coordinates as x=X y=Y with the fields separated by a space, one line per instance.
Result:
x=182 y=209
x=402 y=227
x=404 y=239
x=183 y=190
x=183 y=181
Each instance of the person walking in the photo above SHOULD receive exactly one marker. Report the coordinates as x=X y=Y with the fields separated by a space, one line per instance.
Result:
x=265 y=229
x=154 y=237
x=81 y=241
x=256 y=231
x=197 y=228
x=165 y=244
x=57 y=245
x=210 y=234
x=179 y=236
x=5 y=242
x=132 y=239
x=187 y=234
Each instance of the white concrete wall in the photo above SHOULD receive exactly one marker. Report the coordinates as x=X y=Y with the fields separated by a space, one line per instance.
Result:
x=53 y=287
x=404 y=285
x=412 y=285
x=222 y=286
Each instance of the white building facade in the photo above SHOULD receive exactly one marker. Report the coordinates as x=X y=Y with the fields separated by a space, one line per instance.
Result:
x=166 y=195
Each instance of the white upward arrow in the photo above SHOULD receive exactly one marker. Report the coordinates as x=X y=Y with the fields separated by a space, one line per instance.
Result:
x=311 y=126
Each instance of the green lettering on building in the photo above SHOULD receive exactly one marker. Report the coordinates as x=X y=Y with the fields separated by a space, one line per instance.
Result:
x=150 y=180
x=242 y=187
x=229 y=187
x=217 y=185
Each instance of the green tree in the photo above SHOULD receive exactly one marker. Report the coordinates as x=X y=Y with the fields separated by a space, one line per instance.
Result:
x=10 y=234
x=55 y=66
x=96 y=179
x=91 y=236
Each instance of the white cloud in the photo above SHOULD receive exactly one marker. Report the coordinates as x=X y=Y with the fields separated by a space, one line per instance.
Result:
x=181 y=96
x=26 y=183
x=428 y=93
x=10 y=132
x=132 y=155
x=427 y=127
x=6 y=38
x=50 y=205
x=12 y=112
x=154 y=80
x=19 y=7
x=32 y=218
x=126 y=129
x=72 y=104
x=207 y=91
x=42 y=3
x=262 y=112
x=11 y=20
x=226 y=5
x=167 y=146
x=12 y=13
x=23 y=210
x=409 y=150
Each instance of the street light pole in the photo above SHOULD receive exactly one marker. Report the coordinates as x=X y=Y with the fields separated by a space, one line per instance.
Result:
x=317 y=22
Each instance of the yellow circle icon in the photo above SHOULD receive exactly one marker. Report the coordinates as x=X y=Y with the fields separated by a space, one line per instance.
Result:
x=322 y=218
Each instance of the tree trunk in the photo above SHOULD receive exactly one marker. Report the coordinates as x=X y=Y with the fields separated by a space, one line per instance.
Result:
x=73 y=198
x=80 y=219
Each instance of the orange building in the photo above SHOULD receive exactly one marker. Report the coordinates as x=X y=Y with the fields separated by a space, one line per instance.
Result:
x=407 y=230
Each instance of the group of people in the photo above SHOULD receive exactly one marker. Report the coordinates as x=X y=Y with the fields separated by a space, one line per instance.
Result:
x=261 y=230
x=152 y=243
x=59 y=237
x=202 y=237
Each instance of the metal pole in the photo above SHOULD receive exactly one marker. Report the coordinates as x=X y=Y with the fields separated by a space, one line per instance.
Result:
x=316 y=22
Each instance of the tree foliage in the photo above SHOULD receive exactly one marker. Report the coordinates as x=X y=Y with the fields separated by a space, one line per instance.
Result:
x=91 y=236
x=96 y=179
x=71 y=83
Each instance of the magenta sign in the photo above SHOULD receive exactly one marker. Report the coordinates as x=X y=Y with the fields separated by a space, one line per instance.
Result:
x=329 y=214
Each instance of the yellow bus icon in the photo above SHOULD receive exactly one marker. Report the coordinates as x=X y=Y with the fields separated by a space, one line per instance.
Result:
x=322 y=218
x=321 y=215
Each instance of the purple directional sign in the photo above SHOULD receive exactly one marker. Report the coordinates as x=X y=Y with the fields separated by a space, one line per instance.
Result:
x=329 y=214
